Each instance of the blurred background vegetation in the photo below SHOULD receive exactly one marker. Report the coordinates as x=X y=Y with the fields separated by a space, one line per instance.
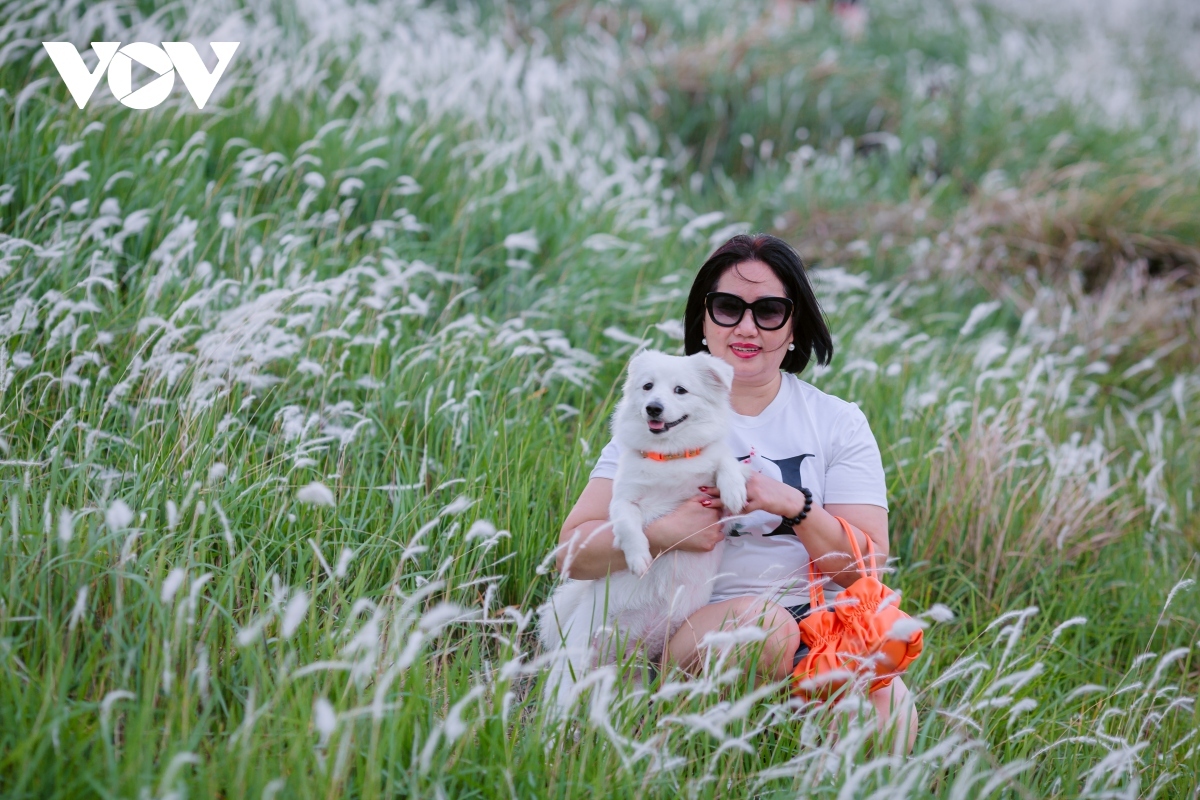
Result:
x=398 y=264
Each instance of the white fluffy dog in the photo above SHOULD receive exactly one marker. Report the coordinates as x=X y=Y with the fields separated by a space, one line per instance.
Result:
x=671 y=426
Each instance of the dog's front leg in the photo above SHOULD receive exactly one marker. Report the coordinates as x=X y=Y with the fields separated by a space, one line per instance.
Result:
x=731 y=481
x=630 y=536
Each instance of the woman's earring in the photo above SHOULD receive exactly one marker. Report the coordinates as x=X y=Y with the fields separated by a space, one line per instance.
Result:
x=704 y=342
x=792 y=346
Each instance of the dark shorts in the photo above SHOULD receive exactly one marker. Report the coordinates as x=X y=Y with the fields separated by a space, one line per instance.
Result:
x=798 y=613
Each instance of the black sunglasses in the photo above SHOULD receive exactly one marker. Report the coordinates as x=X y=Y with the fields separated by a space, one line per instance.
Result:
x=727 y=310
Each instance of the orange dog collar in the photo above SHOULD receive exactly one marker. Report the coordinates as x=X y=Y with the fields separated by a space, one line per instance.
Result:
x=671 y=456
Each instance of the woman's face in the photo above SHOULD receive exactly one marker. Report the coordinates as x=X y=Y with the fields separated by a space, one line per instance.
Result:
x=755 y=354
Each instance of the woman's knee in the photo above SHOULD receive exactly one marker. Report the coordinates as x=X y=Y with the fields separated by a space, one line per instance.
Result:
x=893 y=699
x=896 y=710
x=778 y=647
x=783 y=638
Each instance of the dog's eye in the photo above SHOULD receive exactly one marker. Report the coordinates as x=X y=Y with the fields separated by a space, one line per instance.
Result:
x=680 y=390
x=648 y=387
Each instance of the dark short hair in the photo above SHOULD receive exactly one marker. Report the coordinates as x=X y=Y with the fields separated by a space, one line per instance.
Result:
x=809 y=329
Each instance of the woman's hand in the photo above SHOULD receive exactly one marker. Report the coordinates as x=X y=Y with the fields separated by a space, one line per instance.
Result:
x=695 y=526
x=767 y=494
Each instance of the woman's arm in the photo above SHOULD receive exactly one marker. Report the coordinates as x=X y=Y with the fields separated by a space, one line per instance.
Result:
x=827 y=536
x=585 y=543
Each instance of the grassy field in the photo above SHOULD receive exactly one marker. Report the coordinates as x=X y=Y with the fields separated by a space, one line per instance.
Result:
x=295 y=391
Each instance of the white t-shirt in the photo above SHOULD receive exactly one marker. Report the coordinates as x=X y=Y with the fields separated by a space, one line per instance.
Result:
x=804 y=437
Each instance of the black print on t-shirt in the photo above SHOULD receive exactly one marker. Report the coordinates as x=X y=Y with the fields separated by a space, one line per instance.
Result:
x=789 y=472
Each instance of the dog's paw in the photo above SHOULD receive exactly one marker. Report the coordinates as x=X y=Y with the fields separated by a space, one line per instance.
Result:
x=735 y=498
x=638 y=560
x=733 y=490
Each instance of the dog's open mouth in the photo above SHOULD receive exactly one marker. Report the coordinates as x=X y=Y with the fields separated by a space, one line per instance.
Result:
x=658 y=426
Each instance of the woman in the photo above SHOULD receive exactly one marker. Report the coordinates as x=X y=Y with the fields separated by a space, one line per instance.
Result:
x=752 y=306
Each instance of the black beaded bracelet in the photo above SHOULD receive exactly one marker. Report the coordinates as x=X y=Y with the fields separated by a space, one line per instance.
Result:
x=796 y=520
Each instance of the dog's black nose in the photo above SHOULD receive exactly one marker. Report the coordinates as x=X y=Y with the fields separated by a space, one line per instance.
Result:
x=654 y=409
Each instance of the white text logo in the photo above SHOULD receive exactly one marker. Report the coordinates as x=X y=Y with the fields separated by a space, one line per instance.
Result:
x=172 y=57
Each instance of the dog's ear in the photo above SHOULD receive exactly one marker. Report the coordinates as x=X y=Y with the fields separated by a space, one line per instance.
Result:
x=716 y=372
x=634 y=369
x=643 y=354
x=639 y=359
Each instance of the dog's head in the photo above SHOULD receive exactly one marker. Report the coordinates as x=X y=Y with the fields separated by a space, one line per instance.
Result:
x=673 y=403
